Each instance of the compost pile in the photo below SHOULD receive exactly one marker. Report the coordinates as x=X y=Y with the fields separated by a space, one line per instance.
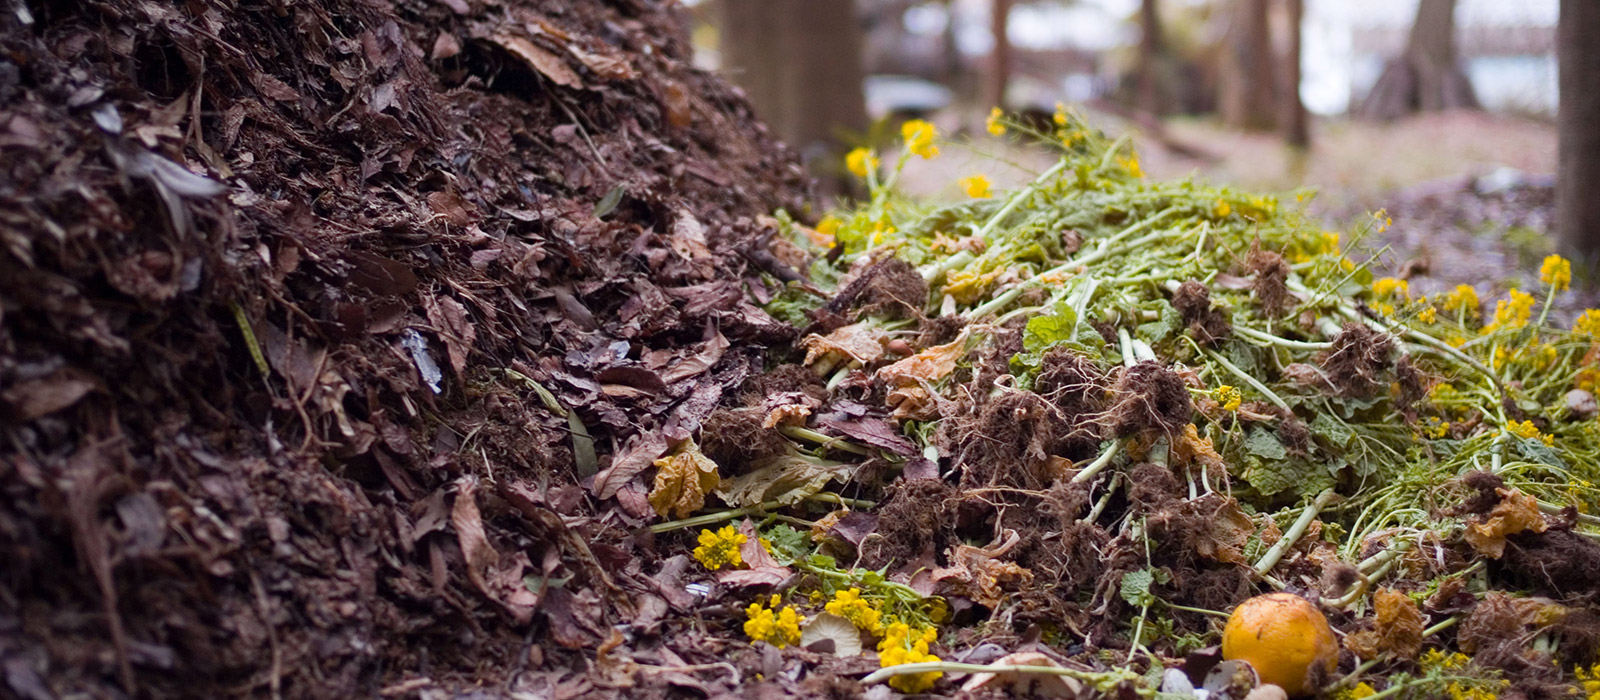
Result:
x=1045 y=439
x=284 y=291
x=419 y=349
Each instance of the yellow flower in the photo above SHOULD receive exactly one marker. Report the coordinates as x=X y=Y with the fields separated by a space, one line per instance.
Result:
x=1221 y=210
x=1434 y=659
x=1428 y=315
x=720 y=548
x=903 y=645
x=977 y=186
x=1131 y=163
x=1528 y=431
x=850 y=606
x=919 y=136
x=775 y=627
x=1357 y=692
x=1462 y=297
x=993 y=122
x=1330 y=241
x=1228 y=396
x=1060 y=115
x=1556 y=272
x=861 y=161
x=1390 y=286
x=1587 y=323
x=1512 y=312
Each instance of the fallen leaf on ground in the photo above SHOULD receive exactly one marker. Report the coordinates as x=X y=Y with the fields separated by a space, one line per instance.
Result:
x=1020 y=684
x=684 y=478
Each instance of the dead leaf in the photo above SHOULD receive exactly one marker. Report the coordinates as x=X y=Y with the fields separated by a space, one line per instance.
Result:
x=446 y=46
x=453 y=208
x=1191 y=449
x=1022 y=684
x=930 y=365
x=1228 y=529
x=1397 y=628
x=608 y=67
x=787 y=414
x=977 y=573
x=41 y=397
x=762 y=569
x=1516 y=512
x=684 y=478
x=635 y=456
x=786 y=479
x=502 y=584
x=855 y=342
x=675 y=102
x=451 y=323
x=706 y=357
x=540 y=60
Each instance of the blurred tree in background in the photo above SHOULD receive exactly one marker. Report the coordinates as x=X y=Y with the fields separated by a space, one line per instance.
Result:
x=800 y=63
x=1427 y=76
x=1578 y=123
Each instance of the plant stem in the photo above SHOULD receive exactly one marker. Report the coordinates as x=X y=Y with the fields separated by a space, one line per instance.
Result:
x=1270 y=559
x=1098 y=464
x=720 y=516
x=1281 y=342
x=884 y=674
x=809 y=435
x=1246 y=378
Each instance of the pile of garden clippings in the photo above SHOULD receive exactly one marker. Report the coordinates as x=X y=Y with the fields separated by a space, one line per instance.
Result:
x=1072 y=425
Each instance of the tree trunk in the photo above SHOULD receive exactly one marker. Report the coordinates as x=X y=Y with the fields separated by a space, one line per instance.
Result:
x=1427 y=77
x=1150 y=50
x=1000 y=65
x=1248 y=101
x=1578 y=123
x=1296 y=129
x=799 y=61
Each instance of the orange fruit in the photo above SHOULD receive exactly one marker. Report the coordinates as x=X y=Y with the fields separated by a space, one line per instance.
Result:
x=1285 y=638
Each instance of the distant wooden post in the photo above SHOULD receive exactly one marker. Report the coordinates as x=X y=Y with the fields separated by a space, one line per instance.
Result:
x=1296 y=129
x=999 y=20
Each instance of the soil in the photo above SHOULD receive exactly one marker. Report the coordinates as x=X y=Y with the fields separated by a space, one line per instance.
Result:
x=295 y=299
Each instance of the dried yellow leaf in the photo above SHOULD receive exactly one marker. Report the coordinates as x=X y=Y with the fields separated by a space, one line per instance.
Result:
x=683 y=478
x=1516 y=512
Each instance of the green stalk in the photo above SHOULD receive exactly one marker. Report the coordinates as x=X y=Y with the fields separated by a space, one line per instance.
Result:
x=721 y=516
x=1270 y=559
x=1098 y=464
x=1247 y=379
x=1098 y=678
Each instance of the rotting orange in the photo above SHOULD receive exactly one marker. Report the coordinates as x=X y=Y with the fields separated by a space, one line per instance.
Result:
x=1285 y=638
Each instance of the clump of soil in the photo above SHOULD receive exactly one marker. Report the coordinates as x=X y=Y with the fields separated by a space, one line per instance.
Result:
x=1208 y=325
x=1271 y=280
x=1150 y=397
x=1077 y=386
x=735 y=438
x=914 y=524
x=1359 y=362
x=891 y=288
x=1008 y=440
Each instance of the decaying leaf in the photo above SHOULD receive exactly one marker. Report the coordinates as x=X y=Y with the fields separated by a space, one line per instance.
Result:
x=540 y=60
x=1229 y=529
x=909 y=379
x=826 y=627
x=853 y=342
x=786 y=479
x=1516 y=512
x=1397 y=628
x=635 y=456
x=761 y=568
x=683 y=479
x=1191 y=449
x=978 y=573
x=1025 y=685
x=786 y=414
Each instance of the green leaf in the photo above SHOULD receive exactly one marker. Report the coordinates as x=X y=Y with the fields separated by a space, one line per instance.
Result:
x=1046 y=330
x=1136 y=587
x=788 y=543
x=1332 y=430
x=608 y=203
x=1163 y=327
x=1264 y=444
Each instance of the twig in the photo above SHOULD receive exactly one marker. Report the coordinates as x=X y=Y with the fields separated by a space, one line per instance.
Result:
x=720 y=516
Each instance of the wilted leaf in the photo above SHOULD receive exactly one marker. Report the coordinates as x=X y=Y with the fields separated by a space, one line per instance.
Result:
x=855 y=342
x=930 y=365
x=1045 y=330
x=762 y=569
x=608 y=203
x=827 y=626
x=1228 y=529
x=1397 y=628
x=785 y=478
x=786 y=414
x=635 y=456
x=977 y=573
x=1516 y=512
x=684 y=478
x=1193 y=449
